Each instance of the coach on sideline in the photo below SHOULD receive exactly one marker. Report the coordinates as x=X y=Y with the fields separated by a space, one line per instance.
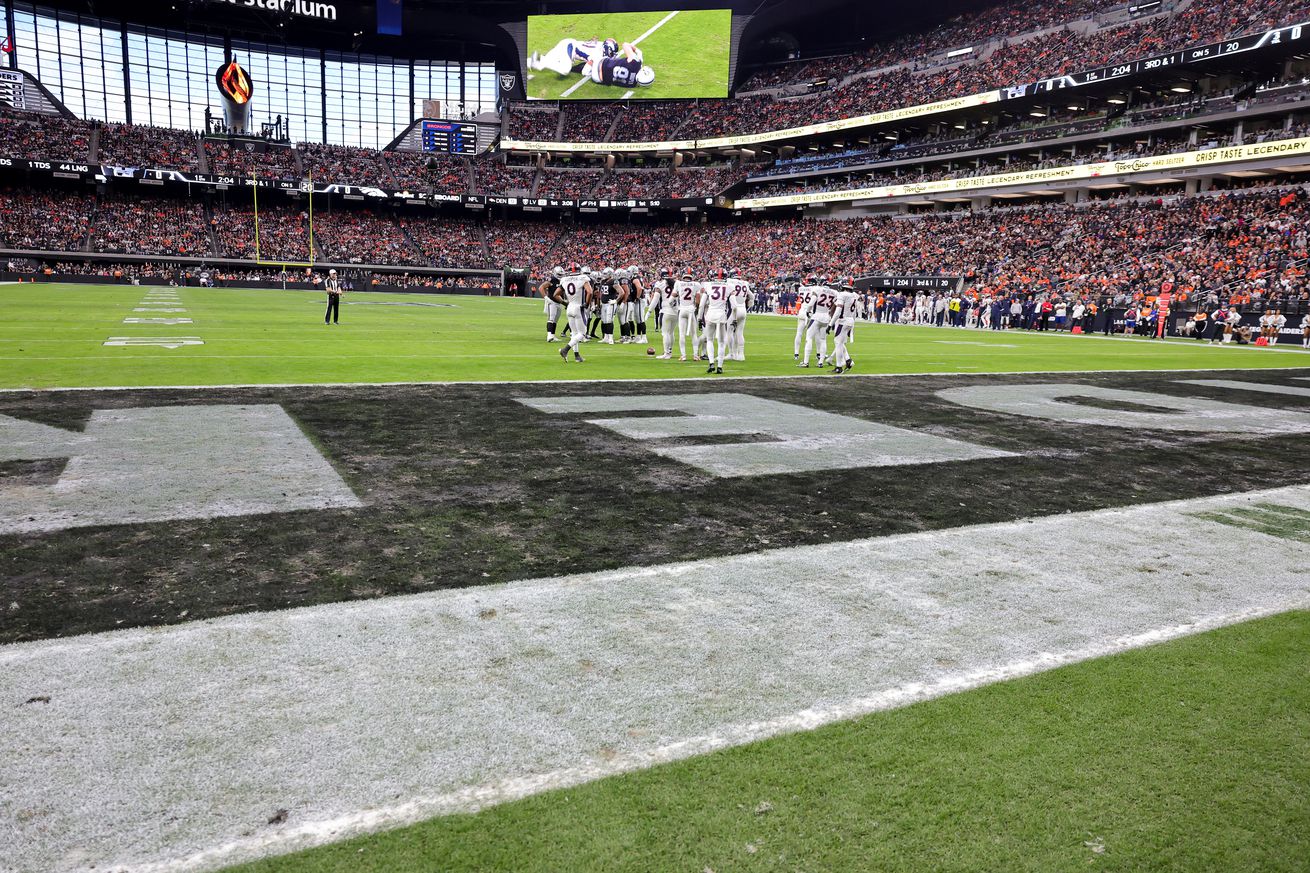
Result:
x=334 y=291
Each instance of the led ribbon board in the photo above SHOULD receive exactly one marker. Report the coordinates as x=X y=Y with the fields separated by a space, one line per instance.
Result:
x=1179 y=161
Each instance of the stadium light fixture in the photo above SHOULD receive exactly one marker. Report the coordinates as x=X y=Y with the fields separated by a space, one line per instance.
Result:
x=1117 y=101
x=1074 y=106
x=1181 y=89
x=1037 y=113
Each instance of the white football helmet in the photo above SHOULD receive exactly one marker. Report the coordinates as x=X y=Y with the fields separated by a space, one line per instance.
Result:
x=645 y=76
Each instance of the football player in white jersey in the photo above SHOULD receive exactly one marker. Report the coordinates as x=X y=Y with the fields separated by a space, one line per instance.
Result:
x=567 y=54
x=553 y=309
x=687 y=292
x=669 y=302
x=843 y=319
x=574 y=294
x=804 y=297
x=816 y=337
x=1305 y=331
x=739 y=295
x=714 y=309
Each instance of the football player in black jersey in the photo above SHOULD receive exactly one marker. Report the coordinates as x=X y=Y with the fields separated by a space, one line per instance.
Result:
x=553 y=309
x=624 y=69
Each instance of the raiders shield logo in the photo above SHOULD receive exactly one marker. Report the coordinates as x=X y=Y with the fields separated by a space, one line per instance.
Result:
x=507 y=81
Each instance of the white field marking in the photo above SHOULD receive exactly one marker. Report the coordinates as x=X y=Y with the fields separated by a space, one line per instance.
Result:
x=158 y=309
x=804 y=439
x=1264 y=387
x=163 y=342
x=167 y=749
x=1051 y=401
x=157 y=321
x=972 y=343
x=158 y=464
x=626 y=95
x=659 y=381
x=663 y=21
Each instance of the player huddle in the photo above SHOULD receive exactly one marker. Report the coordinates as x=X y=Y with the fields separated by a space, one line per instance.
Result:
x=823 y=309
x=710 y=313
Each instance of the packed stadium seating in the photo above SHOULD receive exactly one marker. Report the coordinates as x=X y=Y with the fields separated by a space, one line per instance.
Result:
x=449 y=175
x=56 y=221
x=234 y=159
x=344 y=165
x=447 y=243
x=283 y=233
x=363 y=236
x=150 y=226
x=43 y=137
x=129 y=145
x=492 y=176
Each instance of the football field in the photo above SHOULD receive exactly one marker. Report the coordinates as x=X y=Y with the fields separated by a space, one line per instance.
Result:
x=82 y=336
x=410 y=593
x=688 y=51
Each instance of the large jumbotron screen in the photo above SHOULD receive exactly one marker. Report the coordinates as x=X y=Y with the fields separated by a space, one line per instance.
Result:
x=629 y=55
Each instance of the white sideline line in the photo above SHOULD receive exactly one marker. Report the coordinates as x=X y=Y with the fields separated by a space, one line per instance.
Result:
x=635 y=380
x=663 y=21
x=167 y=749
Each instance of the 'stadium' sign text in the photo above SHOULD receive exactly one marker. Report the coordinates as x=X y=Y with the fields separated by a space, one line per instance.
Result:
x=307 y=8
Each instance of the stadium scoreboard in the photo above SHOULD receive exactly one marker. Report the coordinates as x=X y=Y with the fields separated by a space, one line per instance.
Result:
x=450 y=137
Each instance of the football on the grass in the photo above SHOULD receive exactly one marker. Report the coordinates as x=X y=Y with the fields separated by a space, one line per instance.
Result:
x=650 y=350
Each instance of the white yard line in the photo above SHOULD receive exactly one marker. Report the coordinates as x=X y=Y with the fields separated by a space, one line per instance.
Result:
x=584 y=381
x=168 y=749
x=663 y=21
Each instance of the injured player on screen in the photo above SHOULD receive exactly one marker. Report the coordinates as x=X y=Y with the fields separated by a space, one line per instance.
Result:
x=603 y=61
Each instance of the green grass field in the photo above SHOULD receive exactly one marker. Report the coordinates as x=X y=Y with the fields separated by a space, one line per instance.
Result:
x=53 y=335
x=689 y=53
x=1187 y=756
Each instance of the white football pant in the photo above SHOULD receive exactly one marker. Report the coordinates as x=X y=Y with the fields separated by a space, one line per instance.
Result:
x=816 y=337
x=686 y=327
x=737 y=335
x=716 y=340
x=840 y=357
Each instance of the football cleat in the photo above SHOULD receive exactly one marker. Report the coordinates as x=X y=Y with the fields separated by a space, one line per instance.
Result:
x=711 y=369
x=718 y=370
x=577 y=356
x=837 y=371
x=564 y=354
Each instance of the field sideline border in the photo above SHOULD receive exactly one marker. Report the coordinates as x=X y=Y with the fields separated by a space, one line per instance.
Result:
x=700 y=379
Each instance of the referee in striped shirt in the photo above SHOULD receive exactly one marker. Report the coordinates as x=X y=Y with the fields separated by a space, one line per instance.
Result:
x=334 y=291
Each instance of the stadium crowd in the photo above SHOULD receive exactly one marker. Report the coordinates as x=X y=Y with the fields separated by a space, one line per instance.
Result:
x=37 y=137
x=363 y=236
x=150 y=226
x=344 y=165
x=447 y=175
x=44 y=220
x=235 y=159
x=131 y=145
x=283 y=233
